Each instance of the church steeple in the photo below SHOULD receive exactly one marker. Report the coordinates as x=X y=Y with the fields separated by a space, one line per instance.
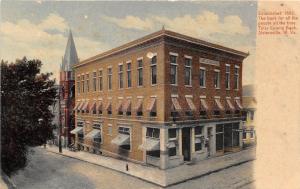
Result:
x=70 y=58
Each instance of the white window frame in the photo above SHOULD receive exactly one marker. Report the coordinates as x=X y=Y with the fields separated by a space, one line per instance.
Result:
x=138 y=69
x=127 y=73
x=130 y=136
x=109 y=79
x=227 y=72
x=87 y=75
x=237 y=77
x=152 y=65
x=121 y=73
x=94 y=81
x=218 y=82
x=204 y=77
x=100 y=81
x=199 y=136
x=191 y=69
x=176 y=70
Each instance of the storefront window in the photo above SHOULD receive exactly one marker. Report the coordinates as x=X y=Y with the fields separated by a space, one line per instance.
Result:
x=219 y=137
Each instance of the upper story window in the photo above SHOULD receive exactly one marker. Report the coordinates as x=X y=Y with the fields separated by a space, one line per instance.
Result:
x=236 y=77
x=227 y=79
x=140 y=72
x=100 y=80
x=78 y=84
x=129 y=74
x=154 y=70
x=217 y=79
x=109 y=78
x=152 y=133
x=188 y=71
x=121 y=76
x=173 y=73
x=202 y=77
x=82 y=83
x=87 y=82
x=94 y=81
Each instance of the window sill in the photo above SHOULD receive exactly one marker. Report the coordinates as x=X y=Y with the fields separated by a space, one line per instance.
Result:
x=202 y=87
x=188 y=86
x=175 y=85
x=153 y=85
x=218 y=88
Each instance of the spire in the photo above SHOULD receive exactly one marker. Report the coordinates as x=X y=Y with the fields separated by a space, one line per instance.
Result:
x=70 y=58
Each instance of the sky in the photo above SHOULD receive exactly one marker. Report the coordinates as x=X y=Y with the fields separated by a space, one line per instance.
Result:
x=39 y=29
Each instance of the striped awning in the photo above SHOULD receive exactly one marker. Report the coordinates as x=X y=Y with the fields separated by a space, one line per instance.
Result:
x=76 y=106
x=150 y=145
x=127 y=106
x=93 y=106
x=108 y=106
x=99 y=106
x=219 y=104
x=119 y=106
x=152 y=105
x=239 y=105
x=190 y=103
x=139 y=105
x=77 y=130
x=230 y=104
x=203 y=104
x=121 y=139
x=175 y=104
x=85 y=106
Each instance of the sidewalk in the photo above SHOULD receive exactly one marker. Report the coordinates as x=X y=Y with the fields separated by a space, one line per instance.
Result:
x=162 y=177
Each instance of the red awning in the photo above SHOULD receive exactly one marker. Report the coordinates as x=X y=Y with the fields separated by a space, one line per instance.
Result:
x=127 y=106
x=203 y=104
x=191 y=104
x=93 y=106
x=152 y=105
x=108 y=106
x=230 y=104
x=100 y=106
x=219 y=104
x=139 y=105
x=239 y=105
x=175 y=104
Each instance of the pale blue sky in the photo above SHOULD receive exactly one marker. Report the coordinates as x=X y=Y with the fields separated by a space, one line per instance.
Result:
x=98 y=26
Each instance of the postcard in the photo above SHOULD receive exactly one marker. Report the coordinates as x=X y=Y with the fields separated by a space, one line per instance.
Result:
x=149 y=94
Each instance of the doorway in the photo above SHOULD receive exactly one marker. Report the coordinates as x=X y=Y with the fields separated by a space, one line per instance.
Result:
x=186 y=144
x=209 y=142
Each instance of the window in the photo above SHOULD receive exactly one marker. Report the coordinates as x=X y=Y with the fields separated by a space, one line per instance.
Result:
x=94 y=81
x=140 y=72
x=87 y=83
x=219 y=137
x=109 y=78
x=152 y=133
x=125 y=131
x=100 y=80
x=217 y=79
x=188 y=71
x=236 y=77
x=202 y=78
x=78 y=84
x=172 y=133
x=109 y=129
x=121 y=76
x=82 y=82
x=252 y=133
x=154 y=70
x=227 y=79
x=198 y=130
x=172 y=151
x=235 y=134
x=244 y=134
x=173 y=73
x=128 y=74
x=172 y=144
x=251 y=115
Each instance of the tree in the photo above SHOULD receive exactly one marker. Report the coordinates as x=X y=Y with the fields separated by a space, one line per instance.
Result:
x=26 y=119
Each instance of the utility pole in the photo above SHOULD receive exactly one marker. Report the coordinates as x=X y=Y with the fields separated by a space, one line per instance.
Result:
x=60 y=125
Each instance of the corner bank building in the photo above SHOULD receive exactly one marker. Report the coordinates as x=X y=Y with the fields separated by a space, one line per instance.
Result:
x=163 y=100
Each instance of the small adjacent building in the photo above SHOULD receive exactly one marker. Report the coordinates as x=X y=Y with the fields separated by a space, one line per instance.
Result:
x=249 y=104
x=163 y=99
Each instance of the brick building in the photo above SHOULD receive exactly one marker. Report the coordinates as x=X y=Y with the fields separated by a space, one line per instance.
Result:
x=162 y=100
x=67 y=90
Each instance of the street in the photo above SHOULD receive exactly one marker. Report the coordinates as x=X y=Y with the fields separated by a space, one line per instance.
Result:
x=47 y=170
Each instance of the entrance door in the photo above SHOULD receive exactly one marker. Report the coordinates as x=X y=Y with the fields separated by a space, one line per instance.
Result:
x=186 y=143
x=227 y=137
x=209 y=142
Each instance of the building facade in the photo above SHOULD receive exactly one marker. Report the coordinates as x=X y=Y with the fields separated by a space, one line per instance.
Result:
x=163 y=100
x=249 y=132
x=67 y=92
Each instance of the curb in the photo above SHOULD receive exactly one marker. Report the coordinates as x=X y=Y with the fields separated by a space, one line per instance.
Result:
x=155 y=183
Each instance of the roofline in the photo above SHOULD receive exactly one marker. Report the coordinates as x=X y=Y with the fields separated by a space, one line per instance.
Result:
x=157 y=35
